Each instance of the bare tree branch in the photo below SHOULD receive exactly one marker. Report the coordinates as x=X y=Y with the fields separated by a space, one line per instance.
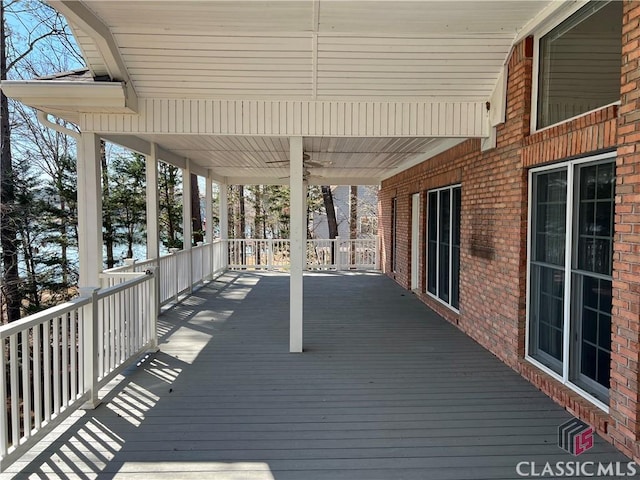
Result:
x=30 y=48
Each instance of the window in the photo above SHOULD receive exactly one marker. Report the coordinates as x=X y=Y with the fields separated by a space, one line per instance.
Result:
x=570 y=272
x=443 y=244
x=579 y=63
x=394 y=233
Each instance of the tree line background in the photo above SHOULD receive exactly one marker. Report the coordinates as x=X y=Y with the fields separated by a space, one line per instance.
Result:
x=38 y=183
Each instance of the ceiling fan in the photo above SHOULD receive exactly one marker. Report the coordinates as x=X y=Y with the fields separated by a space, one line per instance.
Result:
x=307 y=162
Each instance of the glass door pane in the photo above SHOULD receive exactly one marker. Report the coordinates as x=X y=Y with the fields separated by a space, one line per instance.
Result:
x=432 y=243
x=444 y=245
x=592 y=268
x=548 y=243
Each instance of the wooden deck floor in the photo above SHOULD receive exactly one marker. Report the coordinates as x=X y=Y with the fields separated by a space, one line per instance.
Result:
x=385 y=390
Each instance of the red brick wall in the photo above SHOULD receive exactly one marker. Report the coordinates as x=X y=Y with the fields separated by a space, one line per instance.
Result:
x=494 y=231
x=624 y=397
x=492 y=221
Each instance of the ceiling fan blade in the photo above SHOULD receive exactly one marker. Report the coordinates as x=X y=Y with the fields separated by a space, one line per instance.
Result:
x=316 y=164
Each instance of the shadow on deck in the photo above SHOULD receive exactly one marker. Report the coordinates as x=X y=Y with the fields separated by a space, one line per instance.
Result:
x=385 y=390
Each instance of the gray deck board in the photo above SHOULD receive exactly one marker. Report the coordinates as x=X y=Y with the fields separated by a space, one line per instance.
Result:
x=385 y=390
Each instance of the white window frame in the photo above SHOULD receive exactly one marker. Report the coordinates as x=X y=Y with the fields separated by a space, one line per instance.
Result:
x=426 y=252
x=566 y=347
x=540 y=32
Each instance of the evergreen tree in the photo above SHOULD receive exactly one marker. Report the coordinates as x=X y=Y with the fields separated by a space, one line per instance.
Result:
x=128 y=196
x=169 y=181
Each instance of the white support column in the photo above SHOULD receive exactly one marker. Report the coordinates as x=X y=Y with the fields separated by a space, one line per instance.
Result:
x=89 y=211
x=224 y=211
x=187 y=225
x=208 y=208
x=224 y=220
x=298 y=244
x=153 y=206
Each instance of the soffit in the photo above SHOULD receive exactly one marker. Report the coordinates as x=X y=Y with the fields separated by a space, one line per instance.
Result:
x=267 y=158
x=307 y=49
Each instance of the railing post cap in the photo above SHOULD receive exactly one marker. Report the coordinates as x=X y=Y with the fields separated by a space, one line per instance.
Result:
x=129 y=261
x=87 y=291
x=174 y=250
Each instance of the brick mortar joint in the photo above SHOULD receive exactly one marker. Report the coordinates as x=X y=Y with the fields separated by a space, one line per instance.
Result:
x=572 y=126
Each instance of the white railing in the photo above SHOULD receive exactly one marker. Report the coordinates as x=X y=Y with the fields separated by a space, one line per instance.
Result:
x=179 y=271
x=182 y=270
x=270 y=254
x=55 y=361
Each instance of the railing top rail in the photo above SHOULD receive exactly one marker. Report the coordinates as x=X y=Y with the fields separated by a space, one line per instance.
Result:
x=37 y=318
x=137 y=278
x=121 y=274
x=121 y=268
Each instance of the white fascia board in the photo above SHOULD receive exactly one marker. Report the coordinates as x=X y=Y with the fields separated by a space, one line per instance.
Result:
x=76 y=96
x=441 y=146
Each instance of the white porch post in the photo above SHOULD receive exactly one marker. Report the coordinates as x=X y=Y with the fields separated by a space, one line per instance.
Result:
x=89 y=211
x=208 y=238
x=298 y=244
x=153 y=227
x=187 y=226
x=224 y=221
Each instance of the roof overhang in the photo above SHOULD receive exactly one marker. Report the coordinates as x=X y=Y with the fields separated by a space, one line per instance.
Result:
x=68 y=99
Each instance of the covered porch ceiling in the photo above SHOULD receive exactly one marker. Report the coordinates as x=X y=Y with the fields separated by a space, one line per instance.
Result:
x=374 y=87
x=265 y=159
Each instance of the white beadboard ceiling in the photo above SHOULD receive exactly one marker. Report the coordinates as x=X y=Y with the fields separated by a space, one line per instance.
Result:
x=305 y=51
x=266 y=159
x=326 y=49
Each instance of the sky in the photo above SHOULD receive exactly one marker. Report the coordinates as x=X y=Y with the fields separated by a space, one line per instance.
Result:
x=24 y=22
